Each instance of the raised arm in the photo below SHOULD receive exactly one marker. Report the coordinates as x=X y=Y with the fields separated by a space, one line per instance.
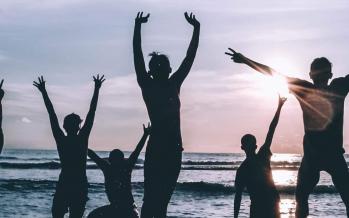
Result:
x=86 y=129
x=239 y=188
x=56 y=130
x=138 y=58
x=1 y=132
x=274 y=123
x=241 y=59
x=187 y=63
x=132 y=160
x=102 y=164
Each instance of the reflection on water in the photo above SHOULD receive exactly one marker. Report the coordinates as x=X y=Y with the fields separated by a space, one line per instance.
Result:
x=287 y=207
x=284 y=177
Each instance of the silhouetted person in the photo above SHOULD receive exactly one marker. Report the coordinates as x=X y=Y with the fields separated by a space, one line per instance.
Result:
x=1 y=132
x=71 y=190
x=161 y=95
x=255 y=174
x=323 y=109
x=117 y=172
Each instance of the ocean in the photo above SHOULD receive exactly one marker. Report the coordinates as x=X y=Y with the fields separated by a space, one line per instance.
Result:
x=205 y=187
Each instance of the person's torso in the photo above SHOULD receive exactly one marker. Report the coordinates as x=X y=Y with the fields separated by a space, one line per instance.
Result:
x=118 y=187
x=323 y=111
x=73 y=155
x=163 y=105
x=258 y=178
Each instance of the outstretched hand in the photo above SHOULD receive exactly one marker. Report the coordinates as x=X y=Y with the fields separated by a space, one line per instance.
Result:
x=40 y=84
x=98 y=81
x=141 y=19
x=282 y=100
x=147 y=130
x=2 y=93
x=236 y=57
x=191 y=19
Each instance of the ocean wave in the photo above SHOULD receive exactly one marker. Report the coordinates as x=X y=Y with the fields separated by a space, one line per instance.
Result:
x=56 y=165
x=202 y=187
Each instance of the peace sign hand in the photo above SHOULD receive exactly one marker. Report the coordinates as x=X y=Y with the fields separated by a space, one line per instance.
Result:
x=236 y=57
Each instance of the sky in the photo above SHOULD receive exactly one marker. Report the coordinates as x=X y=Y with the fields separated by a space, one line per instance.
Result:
x=68 y=41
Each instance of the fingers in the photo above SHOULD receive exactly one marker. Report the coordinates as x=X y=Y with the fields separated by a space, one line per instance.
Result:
x=148 y=15
x=98 y=78
x=227 y=53
x=232 y=50
x=2 y=82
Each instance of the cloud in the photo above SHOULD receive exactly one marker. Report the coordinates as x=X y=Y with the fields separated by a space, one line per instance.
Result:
x=26 y=120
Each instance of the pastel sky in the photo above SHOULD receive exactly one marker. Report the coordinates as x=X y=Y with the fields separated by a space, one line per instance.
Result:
x=68 y=41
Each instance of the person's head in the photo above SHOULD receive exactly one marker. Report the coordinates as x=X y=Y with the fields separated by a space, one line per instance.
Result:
x=159 y=66
x=249 y=144
x=116 y=157
x=320 y=70
x=72 y=123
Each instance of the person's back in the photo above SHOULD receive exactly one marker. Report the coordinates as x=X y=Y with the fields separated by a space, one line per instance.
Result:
x=163 y=106
x=72 y=155
x=161 y=95
x=117 y=180
x=118 y=185
x=72 y=186
x=255 y=175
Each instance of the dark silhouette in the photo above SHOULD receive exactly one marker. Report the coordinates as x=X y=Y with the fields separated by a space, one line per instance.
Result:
x=255 y=175
x=117 y=172
x=323 y=109
x=71 y=190
x=161 y=95
x=1 y=132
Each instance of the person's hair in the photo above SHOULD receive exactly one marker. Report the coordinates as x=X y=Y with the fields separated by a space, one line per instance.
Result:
x=116 y=154
x=157 y=61
x=248 y=140
x=321 y=65
x=71 y=120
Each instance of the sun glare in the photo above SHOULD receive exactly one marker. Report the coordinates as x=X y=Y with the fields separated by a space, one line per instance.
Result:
x=269 y=85
x=278 y=84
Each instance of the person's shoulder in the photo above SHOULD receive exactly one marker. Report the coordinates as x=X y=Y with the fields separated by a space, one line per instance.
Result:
x=298 y=81
x=340 y=80
x=264 y=152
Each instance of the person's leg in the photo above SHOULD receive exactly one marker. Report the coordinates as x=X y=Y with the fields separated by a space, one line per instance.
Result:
x=59 y=206
x=307 y=179
x=340 y=177
x=169 y=181
x=150 y=188
x=77 y=211
x=78 y=203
